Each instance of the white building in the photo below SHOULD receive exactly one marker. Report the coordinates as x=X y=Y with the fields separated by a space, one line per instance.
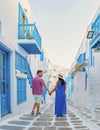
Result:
x=56 y=69
x=84 y=75
x=19 y=38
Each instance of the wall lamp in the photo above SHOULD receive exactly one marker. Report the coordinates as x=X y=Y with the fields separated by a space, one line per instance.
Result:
x=90 y=34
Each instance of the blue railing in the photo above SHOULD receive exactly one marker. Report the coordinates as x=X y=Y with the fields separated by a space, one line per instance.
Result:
x=81 y=58
x=95 y=37
x=29 y=74
x=21 y=15
x=96 y=28
x=29 y=31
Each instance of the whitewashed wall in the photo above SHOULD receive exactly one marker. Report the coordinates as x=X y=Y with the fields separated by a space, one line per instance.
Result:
x=94 y=82
x=9 y=21
x=9 y=38
x=79 y=97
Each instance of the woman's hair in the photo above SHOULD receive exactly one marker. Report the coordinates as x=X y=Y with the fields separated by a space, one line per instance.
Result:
x=62 y=81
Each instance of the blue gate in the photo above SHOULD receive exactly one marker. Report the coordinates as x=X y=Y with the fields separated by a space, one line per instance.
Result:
x=4 y=82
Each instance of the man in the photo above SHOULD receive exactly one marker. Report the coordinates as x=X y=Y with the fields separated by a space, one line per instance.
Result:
x=37 y=84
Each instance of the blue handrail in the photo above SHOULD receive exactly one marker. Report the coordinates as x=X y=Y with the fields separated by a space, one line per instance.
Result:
x=97 y=35
x=29 y=73
x=96 y=28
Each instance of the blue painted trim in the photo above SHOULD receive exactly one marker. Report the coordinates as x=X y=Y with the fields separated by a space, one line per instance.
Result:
x=37 y=36
x=29 y=31
x=44 y=95
x=69 y=80
x=42 y=56
x=29 y=74
x=8 y=78
x=23 y=66
x=90 y=57
x=20 y=62
x=9 y=90
x=21 y=90
x=30 y=48
x=0 y=103
x=21 y=14
x=95 y=41
x=4 y=48
x=81 y=58
x=96 y=28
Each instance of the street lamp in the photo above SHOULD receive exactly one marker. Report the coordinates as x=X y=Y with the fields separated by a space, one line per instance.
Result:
x=90 y=34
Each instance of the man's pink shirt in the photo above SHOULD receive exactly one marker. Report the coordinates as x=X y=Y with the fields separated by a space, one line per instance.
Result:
x=37 y=84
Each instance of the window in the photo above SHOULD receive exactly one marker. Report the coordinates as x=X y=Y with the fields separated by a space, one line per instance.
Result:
x=21 y=90
x=20 y=62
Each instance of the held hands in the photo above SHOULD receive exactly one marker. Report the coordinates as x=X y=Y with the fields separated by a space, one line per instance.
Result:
x=50 y=93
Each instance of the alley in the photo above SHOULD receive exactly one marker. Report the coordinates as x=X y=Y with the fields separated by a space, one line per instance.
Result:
x=76 y=119
x=45 y=47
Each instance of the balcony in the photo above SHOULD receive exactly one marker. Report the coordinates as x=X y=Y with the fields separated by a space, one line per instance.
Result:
x=29 y=38
x=95 y=41
x=81 y=58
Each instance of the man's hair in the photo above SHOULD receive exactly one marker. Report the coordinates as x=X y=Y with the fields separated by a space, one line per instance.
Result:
x=39 y=71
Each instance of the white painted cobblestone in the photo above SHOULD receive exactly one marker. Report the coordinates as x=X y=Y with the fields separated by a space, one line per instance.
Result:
x=75 y=120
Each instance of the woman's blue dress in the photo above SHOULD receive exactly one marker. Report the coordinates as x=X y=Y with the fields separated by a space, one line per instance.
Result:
x=60 y=101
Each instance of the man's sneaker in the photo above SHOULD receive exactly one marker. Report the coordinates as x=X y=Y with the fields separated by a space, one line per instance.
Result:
x=39 y=113
x=32 y=113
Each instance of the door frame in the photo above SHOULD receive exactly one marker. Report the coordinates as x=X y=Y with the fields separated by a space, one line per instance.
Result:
x=7 y=51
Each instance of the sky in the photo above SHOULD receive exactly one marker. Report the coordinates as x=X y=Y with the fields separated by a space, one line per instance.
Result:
x=62 y=25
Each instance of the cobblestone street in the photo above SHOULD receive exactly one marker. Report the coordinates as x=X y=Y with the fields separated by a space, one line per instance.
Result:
x=76 y=119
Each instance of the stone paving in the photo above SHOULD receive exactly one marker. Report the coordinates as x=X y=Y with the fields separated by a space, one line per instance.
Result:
x=92 y=115
x=74 y=120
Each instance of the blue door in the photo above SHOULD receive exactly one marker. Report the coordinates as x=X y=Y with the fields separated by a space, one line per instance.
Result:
x=4 y=82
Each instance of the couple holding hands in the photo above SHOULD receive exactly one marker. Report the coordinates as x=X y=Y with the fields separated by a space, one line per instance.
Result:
x=60 y=98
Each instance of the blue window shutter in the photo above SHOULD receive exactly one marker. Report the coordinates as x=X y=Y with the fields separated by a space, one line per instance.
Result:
x=21 y=90
x=18 y=91
x=20 y=62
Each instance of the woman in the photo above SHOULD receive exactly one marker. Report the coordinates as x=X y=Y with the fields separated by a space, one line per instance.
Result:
x=60 y=99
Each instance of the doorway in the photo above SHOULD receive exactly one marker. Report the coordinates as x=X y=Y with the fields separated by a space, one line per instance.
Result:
x=4 y=82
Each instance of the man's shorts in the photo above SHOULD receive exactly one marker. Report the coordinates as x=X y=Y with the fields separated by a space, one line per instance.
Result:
x=38 y=98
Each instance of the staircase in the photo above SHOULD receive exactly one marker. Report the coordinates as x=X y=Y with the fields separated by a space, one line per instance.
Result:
x=94 y=83
x=29 y=73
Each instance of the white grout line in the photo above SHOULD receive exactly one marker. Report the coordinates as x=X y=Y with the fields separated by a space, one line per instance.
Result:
x=31 y=123
x=15 y=118
x=87 y=122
